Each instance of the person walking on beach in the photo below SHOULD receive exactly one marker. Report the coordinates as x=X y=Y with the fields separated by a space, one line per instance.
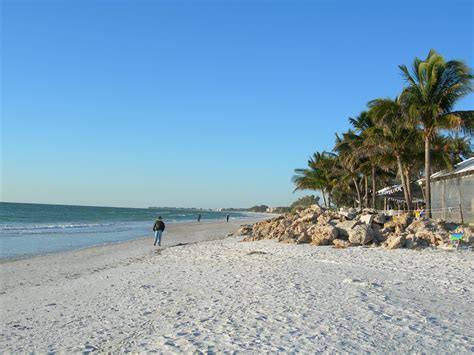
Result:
x=158 y=228
x=227 y=218
x=199 y=217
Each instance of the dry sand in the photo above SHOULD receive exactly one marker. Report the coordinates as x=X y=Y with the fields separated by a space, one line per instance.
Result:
x=225 y=295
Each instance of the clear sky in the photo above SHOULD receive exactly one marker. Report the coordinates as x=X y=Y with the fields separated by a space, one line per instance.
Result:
x=197 y=103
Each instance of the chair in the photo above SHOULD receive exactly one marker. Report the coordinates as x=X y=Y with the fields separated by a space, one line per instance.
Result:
x=457 y=239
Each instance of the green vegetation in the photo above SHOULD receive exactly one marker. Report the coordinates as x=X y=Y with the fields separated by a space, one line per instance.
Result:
x=398 y=141
x=304 y=202
x=261 y=208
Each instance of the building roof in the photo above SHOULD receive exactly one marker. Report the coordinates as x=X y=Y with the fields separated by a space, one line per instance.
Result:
x=389 y=190
x=463 y=167
x=395 y=193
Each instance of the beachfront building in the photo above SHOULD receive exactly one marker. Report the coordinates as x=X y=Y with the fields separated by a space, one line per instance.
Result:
x=394 y=199
x=452 y=193
x=278 y=209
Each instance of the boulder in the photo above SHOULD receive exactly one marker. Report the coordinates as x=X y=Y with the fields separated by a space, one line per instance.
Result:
x=323 y=219
x=379 y=218
x=333 y=222
x=379 y=236
x=340 y=243
x=288 y=237
x=323 y=235
x=245 y=229
x=345 y=227
x=317 y=208
x=309 y=217
x=304 y=238
x=395 y=242
x=402 y=220
x=416 y=226
x=361 y=234
x=426 y=236
x=348 y=214
x=410 y=241
x=367 y=219
x=388 y=227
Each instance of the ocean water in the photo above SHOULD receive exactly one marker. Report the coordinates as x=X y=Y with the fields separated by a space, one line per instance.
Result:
x=34 y=229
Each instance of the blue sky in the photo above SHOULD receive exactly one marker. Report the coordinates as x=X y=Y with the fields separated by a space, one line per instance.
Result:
x=197 y=103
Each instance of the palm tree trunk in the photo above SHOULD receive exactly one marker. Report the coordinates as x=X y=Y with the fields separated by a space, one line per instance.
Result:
x=366 y=197
x=329 y=198
x=359 y=196
x=427 y=174
x=404 y=185
x=373 y=186
x=407 y=180
x=324 y=198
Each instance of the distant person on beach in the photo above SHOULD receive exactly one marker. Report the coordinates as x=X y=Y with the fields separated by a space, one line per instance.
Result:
x=227 y=217
x=158 y=228
x=199 y=217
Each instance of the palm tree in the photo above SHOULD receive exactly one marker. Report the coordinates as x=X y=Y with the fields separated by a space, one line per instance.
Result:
x=434 y=87
x=349 y=161
x=318 y=175
x=395 y=137
x=368 y=149
x=458 y=148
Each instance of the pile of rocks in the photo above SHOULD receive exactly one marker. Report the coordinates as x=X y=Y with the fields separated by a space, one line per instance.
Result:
x=320 y=226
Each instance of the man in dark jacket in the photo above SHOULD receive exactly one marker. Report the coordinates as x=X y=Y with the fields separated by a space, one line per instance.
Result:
x=158 y=228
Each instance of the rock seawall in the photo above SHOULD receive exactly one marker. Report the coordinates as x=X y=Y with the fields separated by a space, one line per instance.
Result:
x=319 y=226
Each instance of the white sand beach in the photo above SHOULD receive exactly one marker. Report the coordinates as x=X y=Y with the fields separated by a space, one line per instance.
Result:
x=227 y=295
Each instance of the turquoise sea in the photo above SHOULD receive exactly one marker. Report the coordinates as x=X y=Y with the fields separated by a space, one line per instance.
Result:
x=35 y=229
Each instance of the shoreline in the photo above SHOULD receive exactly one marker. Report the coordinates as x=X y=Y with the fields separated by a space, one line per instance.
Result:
x=110 y=255
x=248 y=220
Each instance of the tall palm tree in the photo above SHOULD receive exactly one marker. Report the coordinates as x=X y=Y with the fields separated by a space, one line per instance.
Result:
x=368 y=149
x=346 y=148
x=434 y=87
x=396 y=137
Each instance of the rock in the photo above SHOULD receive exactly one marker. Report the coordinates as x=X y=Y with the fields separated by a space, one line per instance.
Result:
x=288 y=237
x=303 y=239
x=361 y=234
x=416 y=226
x=410 y=241
x=395 y=242
x=323 y=235
x=340 y=243
x=367 y=219
x=323 y=219
x=245 y=229
x=333 y=222
x=388 y=227
x=379 y=236
x=426 y=236
x=348 y=214
x=317 y=208
x=402 y=219
x=319 y=226
x=379 y=218
x=308 y=218
x=345 y=227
